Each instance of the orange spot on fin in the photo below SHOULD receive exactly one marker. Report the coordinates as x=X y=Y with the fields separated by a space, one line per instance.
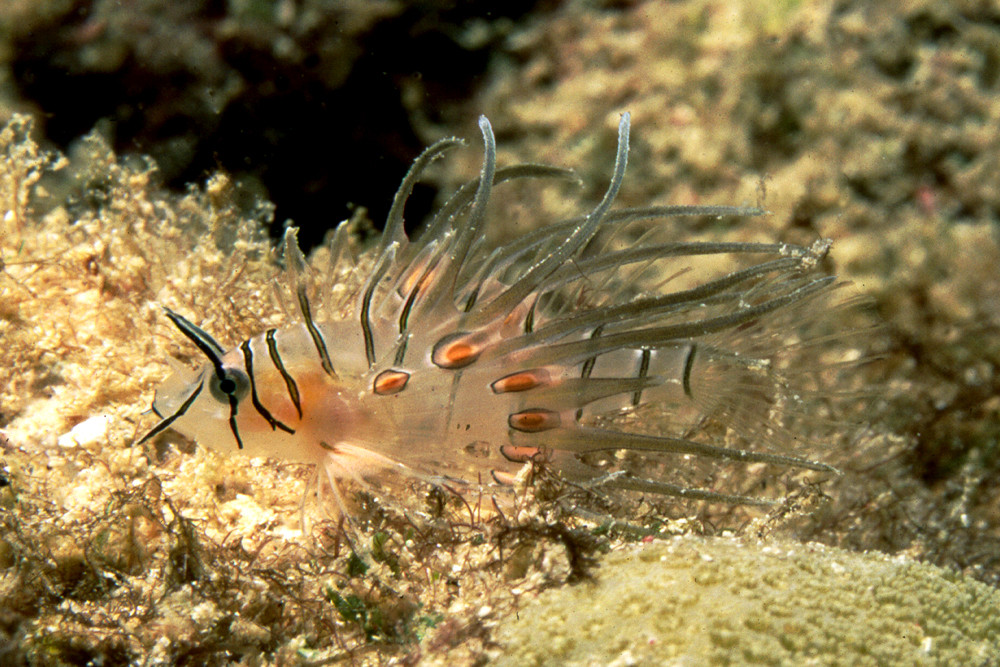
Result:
x=456 y=350
x=533 y=421
x=390 y=382
x=522 y=381
x=503 y=478
x=519 y=453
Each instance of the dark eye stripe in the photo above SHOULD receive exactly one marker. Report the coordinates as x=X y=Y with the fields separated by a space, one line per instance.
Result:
x=234 y=408
x=165 y=424
x=248 y=361
x=208 y=345
x=212 y=350
x=293 y=389
x=317 y=337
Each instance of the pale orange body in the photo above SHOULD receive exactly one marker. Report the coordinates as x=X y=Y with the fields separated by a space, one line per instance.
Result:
x=461 y=361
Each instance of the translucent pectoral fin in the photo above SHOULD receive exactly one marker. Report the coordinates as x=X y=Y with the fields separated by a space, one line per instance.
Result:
x=350 y=467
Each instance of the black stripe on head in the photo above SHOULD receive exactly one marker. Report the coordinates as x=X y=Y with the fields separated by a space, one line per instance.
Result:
x=248 y=361
x=211 y=349
x=293 y=389
x=317 y=337
x=208 y=345
x=233 y=409
x=165 y=424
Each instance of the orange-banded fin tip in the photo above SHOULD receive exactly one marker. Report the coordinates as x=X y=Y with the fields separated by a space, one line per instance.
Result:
x=417 y=277
x=535 y=420
x=390 y=382
x=456 y=350
x=522 y=381
x=521 y=453
x=503 y=478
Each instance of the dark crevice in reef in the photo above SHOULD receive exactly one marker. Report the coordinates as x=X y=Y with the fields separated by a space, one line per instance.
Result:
x=321 y=123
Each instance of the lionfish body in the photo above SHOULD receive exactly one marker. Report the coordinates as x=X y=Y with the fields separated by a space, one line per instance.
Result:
x=459 y=361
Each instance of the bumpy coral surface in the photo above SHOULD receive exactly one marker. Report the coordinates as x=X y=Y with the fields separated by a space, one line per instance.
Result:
x=729 y=602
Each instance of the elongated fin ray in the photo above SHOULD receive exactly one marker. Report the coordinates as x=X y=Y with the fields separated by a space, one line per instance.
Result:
x=468 y=233
x=646 y=309
x=580 y=235
x=587 y=439
x=466 y=194
x=654 y=336
x=577 y=392
x=642 y=485
x=393 y=231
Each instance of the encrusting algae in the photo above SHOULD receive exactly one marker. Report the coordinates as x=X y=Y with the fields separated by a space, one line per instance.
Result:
x=167 y=554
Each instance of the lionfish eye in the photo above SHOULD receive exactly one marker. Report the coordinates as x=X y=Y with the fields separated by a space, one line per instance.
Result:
x=234 y=383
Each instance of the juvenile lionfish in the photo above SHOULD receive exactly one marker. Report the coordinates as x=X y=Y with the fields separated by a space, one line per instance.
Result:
x=460 y=360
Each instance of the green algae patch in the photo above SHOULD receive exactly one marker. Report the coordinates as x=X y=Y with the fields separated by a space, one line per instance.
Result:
x=728 y=602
